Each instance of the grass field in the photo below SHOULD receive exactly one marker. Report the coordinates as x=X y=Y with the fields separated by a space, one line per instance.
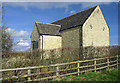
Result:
x=104 y=75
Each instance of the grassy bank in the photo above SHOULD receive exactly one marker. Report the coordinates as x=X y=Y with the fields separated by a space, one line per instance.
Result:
x=104 y=75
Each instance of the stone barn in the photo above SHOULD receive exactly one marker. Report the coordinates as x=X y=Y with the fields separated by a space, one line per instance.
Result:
x=45 y=37
x=83 y=29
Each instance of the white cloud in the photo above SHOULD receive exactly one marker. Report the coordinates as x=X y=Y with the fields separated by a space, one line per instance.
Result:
x=14 y=33
x=22 y=45
x=72 y=11
x=45 y=5
x=41 y=5
x=91 y=4
x=24 y=42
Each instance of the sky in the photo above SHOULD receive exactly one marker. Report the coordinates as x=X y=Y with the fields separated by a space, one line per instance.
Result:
x=20 y=18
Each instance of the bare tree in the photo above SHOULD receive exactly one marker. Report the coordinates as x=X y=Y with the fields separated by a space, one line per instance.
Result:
x=6 y=39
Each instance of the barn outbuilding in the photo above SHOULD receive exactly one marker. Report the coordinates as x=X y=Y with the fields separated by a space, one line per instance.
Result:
x=86 y=28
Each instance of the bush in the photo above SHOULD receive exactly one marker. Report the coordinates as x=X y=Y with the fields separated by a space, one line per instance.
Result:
x=61 y=55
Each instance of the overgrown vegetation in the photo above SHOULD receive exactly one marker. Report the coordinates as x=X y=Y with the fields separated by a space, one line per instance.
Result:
x=7 y=40
x=25 y=59
x=17 y=60
x=20 y=59
x=104 y=75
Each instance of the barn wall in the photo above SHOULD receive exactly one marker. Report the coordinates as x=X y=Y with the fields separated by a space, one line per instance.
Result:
x=51 y=42
x=70 y=41
x=93 y=33
x=70 y=38
x=51 y=45
x=34 y=36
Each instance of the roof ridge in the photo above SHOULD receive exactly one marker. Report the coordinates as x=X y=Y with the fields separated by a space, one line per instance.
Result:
x=47 y=24
x=76 y=13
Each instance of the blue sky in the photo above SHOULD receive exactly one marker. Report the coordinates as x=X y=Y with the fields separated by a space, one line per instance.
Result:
x=21 y=17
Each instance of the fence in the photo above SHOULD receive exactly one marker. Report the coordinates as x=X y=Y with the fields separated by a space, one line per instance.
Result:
x=60 y=70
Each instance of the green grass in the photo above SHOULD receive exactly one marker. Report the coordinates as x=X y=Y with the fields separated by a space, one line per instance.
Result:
x=104 y=75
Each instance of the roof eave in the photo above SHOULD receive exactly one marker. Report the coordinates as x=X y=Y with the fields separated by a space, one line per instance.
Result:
x=70 y=28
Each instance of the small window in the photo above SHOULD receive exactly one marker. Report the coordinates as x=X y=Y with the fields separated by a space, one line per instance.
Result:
x=91 y=26
x=98 y=11
x=103 y=28
x=35 y=45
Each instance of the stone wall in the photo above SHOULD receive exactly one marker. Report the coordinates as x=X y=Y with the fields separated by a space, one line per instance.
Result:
x=50 y=46
x=50 y=42
x=95 y=30
x=34 y=36
x=71 y=40
x=95 y=52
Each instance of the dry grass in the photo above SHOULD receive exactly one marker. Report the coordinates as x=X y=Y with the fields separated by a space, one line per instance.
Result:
x=25 y=59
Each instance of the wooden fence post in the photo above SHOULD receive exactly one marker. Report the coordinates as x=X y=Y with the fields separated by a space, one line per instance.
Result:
x=78 y=65
x=95 y=65
x=117 y=61
x=29 y=72
x=108 y=63
x=57 y=71
x=15 y=73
